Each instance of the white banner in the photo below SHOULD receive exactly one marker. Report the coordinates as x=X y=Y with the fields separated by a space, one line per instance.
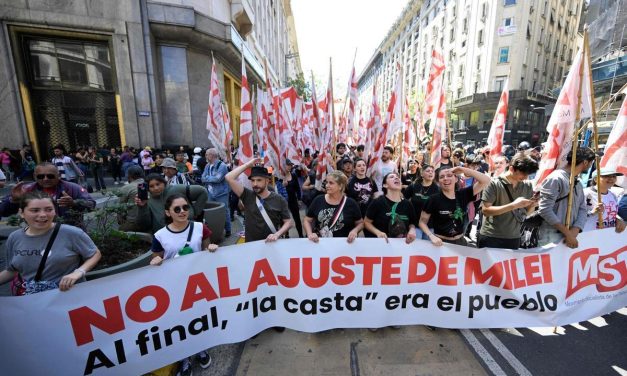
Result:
x=135 y=322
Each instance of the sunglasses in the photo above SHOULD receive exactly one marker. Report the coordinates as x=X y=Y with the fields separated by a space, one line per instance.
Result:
x=178 y=209
x=48 y=176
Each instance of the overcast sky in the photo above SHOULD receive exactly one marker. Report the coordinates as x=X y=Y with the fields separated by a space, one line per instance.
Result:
x=335 y=28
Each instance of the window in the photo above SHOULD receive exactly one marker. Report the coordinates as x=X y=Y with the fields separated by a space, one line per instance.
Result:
x=478 y=62
x=499 y=82
x=474 y=118
x=461 y=70
x=476 y=87
x=509 y=21
x=509 y=2
x=503 y=55
x=480 y=37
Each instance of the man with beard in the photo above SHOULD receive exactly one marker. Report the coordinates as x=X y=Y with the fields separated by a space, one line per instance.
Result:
x=267 y=213
x=385 y=166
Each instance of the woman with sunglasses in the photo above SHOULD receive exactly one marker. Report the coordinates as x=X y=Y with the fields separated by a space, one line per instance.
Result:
x=150 y=210
x=71 y=253
x=179 y=237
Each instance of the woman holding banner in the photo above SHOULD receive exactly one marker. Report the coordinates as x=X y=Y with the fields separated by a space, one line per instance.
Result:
x=180 y=237
x=46 y=254
x=448 y=209
x=333 y=215
x=391 y=215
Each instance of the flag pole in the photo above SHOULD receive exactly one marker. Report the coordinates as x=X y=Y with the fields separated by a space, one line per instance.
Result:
x=594 y=124
x=332 y=108
x=573 y=161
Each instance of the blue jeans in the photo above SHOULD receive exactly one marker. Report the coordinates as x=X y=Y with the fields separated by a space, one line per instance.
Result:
x=125 y=167
x=225 y=200
x=421 y=235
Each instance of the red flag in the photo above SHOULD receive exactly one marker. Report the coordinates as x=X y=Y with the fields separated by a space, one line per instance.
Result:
x=215 y=115
x=439 y=132
x=418 y=118
x=497 y=130
x=434 y=87
x=352 y=104
x=615 y=155
x=376 y=135
x=561 y=125
x=393 y=117
x=245 y=152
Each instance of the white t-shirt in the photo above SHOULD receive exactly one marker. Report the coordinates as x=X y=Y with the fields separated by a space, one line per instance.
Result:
x=383 y=169
x=610 y=202
x=61 y=164
x=170 y=242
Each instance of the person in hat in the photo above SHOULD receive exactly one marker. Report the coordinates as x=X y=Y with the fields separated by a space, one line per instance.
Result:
x=609 y=202
x=267 y=213
x=171 y=173
x=294 y=193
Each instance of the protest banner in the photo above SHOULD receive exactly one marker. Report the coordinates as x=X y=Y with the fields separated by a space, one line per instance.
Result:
x=140 y=320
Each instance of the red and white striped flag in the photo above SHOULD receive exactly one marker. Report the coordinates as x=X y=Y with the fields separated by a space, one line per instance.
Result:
x=228 y=132
x=245 y=151
x=409 y=136
x=325 y=156
x=434 y=87
x=267 y=132
x=361 y=129
x=615 y=155
x=497 y=131
x=215 y=116
x=393 y=116
x=419 y=119
x=562 y=125
x=376 y=133
x=440 y=133
x=352 y=105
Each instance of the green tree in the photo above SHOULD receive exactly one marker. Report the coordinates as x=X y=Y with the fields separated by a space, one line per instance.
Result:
x=302 y=86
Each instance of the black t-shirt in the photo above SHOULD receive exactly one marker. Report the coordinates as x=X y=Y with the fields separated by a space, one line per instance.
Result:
x=323 y=213
x=380 y=212
x=418 y=195
x=408 y=178
x=361 y=190
x=448 y=215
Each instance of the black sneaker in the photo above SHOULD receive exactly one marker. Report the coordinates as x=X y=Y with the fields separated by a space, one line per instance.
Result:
x=185 y=368
x=204 y=359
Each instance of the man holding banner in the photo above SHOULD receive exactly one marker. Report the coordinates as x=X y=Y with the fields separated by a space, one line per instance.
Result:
x=267 y=213
x=554 y=202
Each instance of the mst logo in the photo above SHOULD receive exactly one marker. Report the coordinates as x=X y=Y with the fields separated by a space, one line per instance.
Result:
x=607 y=273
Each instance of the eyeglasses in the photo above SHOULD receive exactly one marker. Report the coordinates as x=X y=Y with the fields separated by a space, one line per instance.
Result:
x=48 y=176
x=178 y=209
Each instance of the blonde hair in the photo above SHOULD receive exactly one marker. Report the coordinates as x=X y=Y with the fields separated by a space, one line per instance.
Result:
x=339 y=178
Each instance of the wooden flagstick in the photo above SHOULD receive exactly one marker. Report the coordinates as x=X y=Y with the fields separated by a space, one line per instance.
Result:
x=594 y=125
x=573 y=162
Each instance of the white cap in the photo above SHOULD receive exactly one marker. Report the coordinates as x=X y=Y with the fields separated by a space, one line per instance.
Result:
x=197 y=150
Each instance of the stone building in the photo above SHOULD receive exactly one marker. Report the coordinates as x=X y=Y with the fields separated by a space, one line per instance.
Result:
x=483 y=42
x=132 y=72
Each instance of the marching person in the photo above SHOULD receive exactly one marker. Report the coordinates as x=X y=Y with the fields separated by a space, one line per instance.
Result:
x=391 y=215
x=449 y=207
x=267 y=216
x=385 y=166
x=506 y=202
x=333 y=215
x=361 y=188
x=419 y=192
x=70 y=199
x=294 y=193
x=150 y=211
x=181 y=236
x=68 y=170
x=553 y=204
x=214 y=177
x=172 y=174
x=609 y=204
x=66 y=252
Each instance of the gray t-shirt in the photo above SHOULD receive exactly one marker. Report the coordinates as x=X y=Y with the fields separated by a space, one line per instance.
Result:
x=256 y=227
x=69 y=250
x=506 y=225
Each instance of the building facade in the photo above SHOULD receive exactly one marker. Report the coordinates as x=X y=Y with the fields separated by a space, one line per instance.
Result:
x=122 y=72
x=483 y=43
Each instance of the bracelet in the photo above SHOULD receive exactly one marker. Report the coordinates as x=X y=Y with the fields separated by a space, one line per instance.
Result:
x=82 y=271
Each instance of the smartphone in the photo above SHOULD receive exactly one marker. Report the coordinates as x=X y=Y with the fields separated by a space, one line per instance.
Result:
x=142 y=191
x=536 y=195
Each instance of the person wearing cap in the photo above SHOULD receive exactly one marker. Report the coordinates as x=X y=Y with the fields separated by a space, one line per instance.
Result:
x=214 y=178
x=196 y=169
x=294 y=194
x=553 y=204
x=171 y=173
x=267 y=213
x=347 y=165
x=609 y=202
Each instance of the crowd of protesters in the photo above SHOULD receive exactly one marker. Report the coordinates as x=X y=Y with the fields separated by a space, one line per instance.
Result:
x=167 y=193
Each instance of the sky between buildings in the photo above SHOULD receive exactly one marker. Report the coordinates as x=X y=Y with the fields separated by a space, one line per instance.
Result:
x=335 y=28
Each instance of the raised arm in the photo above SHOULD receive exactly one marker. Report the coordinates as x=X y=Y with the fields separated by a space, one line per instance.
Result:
x=232 y=176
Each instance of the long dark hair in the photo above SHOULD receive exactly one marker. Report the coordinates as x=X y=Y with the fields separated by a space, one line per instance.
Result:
x=34 y=195
x=168 y=204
